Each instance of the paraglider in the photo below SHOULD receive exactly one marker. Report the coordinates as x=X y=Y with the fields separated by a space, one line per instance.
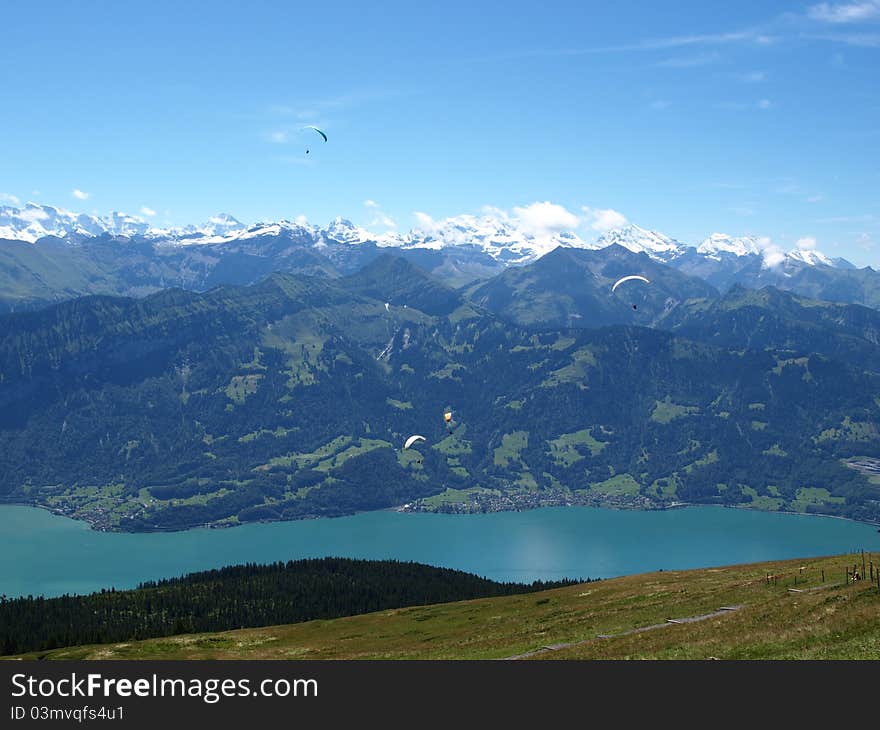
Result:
x=633 y=277
x=309 y=126
x=629 y=278
x=447 y=416
x=412 y=439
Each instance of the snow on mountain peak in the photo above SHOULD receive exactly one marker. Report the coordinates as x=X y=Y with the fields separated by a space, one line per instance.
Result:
x=718 y=244
x=516 y=237
x=640 y=240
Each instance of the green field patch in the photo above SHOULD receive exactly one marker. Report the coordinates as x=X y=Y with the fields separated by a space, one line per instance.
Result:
x=791 y=362
x=527 y=481
x=758 y=425
x=617 y=485
x=298 y=338
x=760 y=501
x=709 y=458
x=582 y=360
x=563 y=343
x=666 y=411
x=401 y=405
x=454 y=444
x=514 y=405
x=278 y=433
x=447 y=372
x=456 y=496
x=665 y=487
x=361 y=447
x=768 y=504
x=756 y=406
x=806 y=496
x=307 y=460
x=849 y=430
x=775 y=450
x=256 y=362
x=410 y=459
x=511 y=447
x=242 y=386
x=565 y=452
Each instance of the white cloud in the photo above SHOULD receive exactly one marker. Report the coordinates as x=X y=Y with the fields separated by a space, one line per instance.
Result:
x=380 y=218
x=604 y=219
x=8 y=198
x=147 y=211
x=301 y=220
x=818 y=198
x=745 y=105
x=545 y=218
x=865 y=241
x=278 y=136
x=33 y=215
x=853 y=12
x=752 y=77
x=424 y=222
x=772 y=254
x=80 y=195
x=660 y=104
x=701 y=59
x=807 y=243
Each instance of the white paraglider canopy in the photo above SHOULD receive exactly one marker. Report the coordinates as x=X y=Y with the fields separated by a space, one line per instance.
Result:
x=629 y=278
x=412 y=439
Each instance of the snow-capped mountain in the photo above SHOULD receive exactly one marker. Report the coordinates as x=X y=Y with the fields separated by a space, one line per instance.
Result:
x=810 y=256
x=506 y=238
x=718 y=244
x=503 y=238
x=36 y=221
x=657 y=245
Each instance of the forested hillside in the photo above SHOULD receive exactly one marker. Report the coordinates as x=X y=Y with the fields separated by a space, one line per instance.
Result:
x=293 y=397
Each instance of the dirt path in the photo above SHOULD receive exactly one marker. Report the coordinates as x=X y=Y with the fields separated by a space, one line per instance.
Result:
x=669 y=622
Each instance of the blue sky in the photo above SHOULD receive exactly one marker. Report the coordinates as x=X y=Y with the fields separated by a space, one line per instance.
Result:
x=688 y=117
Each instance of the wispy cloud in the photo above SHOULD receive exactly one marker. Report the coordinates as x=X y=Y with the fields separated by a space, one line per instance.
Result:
x=9 y=198
x=862 y=40
x=604 y=219
x=751 y=77
x=743 y=210
x=147 y=211
x=840 y=13
x=279 y=136
x=660 y=104
x=866 y=218
x=695 y=61
x=80 y=195
x=761 y=104
x=378 y=216
x=818 y=198
x=807 y=243
x=749 y=36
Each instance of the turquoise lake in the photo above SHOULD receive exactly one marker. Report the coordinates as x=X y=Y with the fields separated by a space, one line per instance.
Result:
x=47 y=554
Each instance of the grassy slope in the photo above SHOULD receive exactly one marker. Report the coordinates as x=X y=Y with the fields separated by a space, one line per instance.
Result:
x=834 y=621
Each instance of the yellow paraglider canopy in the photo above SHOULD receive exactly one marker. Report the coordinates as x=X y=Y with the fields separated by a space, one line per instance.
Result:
x=447 y=416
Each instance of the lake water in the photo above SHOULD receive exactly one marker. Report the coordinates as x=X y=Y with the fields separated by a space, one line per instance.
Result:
x=42 y=553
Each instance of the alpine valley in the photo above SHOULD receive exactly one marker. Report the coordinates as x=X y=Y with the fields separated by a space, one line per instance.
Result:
x=165 y=379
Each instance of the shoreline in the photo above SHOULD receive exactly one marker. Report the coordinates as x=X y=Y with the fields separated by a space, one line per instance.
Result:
x=406 y=509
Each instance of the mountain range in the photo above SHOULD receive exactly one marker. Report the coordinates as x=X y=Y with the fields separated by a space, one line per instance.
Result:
x=48 y=254
x=293 y=397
